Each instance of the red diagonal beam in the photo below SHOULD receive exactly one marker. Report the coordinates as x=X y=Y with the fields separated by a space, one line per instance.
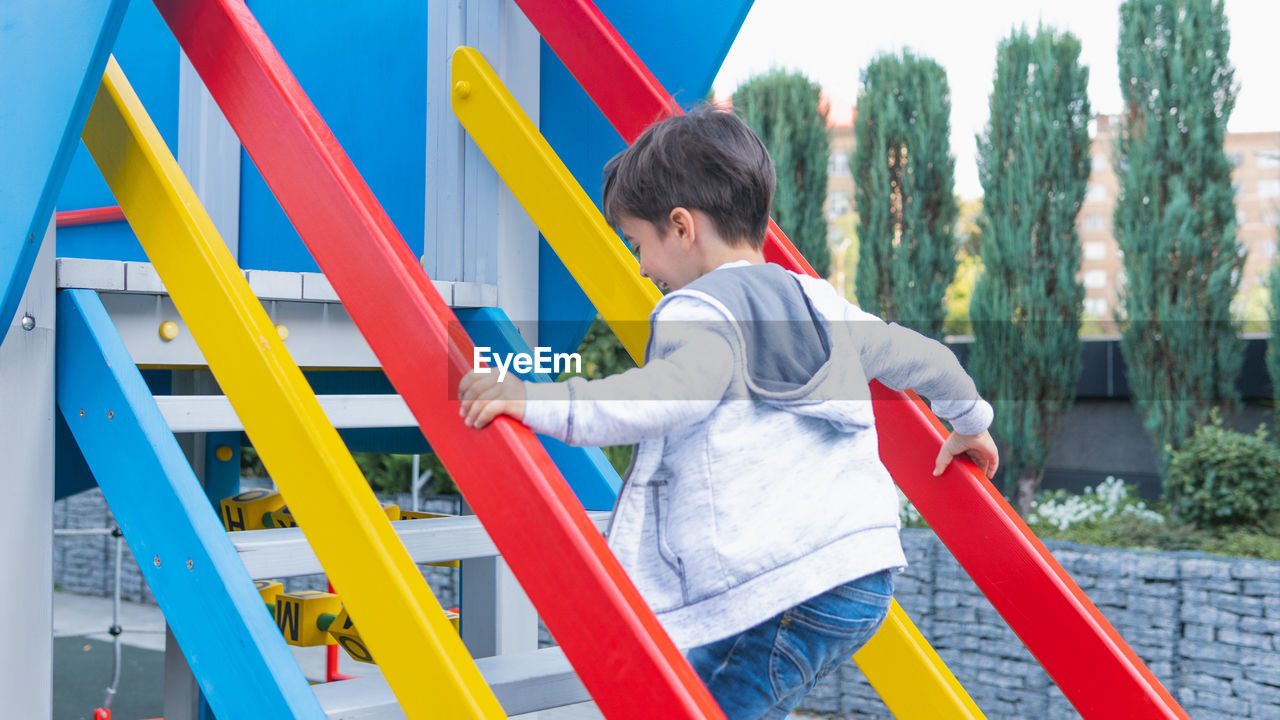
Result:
x=613 y=640
x=1081 y=651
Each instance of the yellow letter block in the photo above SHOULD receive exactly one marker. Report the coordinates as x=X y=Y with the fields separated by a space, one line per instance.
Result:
x=245 y=511
x=298 y=616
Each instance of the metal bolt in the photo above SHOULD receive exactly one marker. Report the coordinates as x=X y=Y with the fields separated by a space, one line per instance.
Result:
x=111 y=414
x=157 y=561
x=463 y=88
x=81 y=412
x=190 y=565
x=28 y=322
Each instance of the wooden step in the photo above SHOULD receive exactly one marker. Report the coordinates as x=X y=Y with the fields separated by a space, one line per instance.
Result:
x=284 y=552
x=524 y=682
x=213 y=413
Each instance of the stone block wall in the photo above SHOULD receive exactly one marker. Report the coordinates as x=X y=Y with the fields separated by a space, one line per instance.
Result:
x=1208 y=627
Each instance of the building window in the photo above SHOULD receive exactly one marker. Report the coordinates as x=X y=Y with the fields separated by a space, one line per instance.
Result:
x=1095 y=222
x=1241 y=217
x=1096 y=307
x=838 y=165
x=1096 y=193
x=1095 y=278
x=1237 y=189
x=1095 y=250
x=1268 y=159
x=837 y=205
x=1269 y=188
x=1271 y=218
x=1101 y=163
x=1267 y=249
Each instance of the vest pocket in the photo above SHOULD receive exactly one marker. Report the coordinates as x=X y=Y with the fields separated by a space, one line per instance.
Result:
x=661 y=512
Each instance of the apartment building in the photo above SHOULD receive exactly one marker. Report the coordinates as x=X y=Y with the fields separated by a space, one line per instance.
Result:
x=1255 y=156
x=1256 y=178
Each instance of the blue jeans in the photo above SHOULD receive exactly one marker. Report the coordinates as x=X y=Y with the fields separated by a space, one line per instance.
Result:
x=764 y=672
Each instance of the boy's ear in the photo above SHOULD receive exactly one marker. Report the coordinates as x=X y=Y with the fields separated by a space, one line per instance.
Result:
x=682 y=225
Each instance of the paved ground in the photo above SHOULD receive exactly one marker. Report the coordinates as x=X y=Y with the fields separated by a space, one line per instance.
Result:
x=82 y=657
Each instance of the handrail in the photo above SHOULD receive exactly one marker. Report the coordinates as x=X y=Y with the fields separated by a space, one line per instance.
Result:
x=424 y=660
x=607 y=631
x=1096 y=670
x=88 y=216
x=577 y=231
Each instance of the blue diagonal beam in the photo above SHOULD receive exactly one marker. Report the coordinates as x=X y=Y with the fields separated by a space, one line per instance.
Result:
x=53 y=53
x=587 y=470
x=234 y=650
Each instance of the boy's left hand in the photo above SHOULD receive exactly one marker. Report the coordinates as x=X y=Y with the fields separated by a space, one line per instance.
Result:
x=484 y=398
x=980 y=448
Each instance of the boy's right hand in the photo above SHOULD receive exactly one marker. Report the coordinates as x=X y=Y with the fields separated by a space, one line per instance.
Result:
x=980 y=448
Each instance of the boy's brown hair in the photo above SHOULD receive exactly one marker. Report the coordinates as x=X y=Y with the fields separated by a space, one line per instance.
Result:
x=708 y=160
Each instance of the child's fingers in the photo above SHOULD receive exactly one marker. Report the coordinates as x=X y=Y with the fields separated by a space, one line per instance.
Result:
x=944 y=459
x=484 y=398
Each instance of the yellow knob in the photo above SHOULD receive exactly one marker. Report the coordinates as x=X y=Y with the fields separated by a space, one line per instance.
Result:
x=284 y=331
x=463 y=88
x=168 y=330
x=223 y=453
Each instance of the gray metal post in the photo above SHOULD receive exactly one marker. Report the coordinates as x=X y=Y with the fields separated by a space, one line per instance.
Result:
x=478 y=233
x=26 y=515
x=209 y=154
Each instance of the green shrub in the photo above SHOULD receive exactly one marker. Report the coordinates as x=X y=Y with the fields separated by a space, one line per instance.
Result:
x=1220 y=477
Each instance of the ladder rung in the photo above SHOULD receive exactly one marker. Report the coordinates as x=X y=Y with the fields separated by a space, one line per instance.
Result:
x=213 y=413
x=284 y=552
x=524 y=682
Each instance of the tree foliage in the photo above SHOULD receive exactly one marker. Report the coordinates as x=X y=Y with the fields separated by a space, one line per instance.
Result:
x=903 y=176
x=783 y=108
x=1175 y=214
x=1033 y=161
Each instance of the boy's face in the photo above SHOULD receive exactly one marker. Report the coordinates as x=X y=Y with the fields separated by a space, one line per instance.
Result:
x=664 y=258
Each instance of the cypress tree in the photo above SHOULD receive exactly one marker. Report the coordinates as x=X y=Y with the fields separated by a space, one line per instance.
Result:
x=1033 y=161
x=903 y=175
x=1175 y=217
x=783 y=109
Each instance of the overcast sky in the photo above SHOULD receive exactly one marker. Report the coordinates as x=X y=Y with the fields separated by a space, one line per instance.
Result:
x=832 y=40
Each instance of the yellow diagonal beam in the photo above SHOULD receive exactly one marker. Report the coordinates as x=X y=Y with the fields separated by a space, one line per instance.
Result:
x=610 y=276
x=908 y=674
x=590 y=249
x=422 y=657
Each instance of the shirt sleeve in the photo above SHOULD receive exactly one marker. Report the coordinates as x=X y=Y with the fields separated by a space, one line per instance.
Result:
x=902 y=358
x=690 y=367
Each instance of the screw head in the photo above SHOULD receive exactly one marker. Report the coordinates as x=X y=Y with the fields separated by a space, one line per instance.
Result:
x=111 y=414
x=157 y=561
x=190 y=564
x=28 y=322
x=463 y=88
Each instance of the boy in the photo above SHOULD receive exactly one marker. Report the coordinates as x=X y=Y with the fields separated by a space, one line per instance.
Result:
x=756 y=520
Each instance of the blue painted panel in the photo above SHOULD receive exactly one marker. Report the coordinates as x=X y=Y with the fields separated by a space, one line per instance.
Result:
x=234 y=649
x=148 y=54
x=683 y=44
x=364 y=66
x=587 y=470
x=53 y=54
